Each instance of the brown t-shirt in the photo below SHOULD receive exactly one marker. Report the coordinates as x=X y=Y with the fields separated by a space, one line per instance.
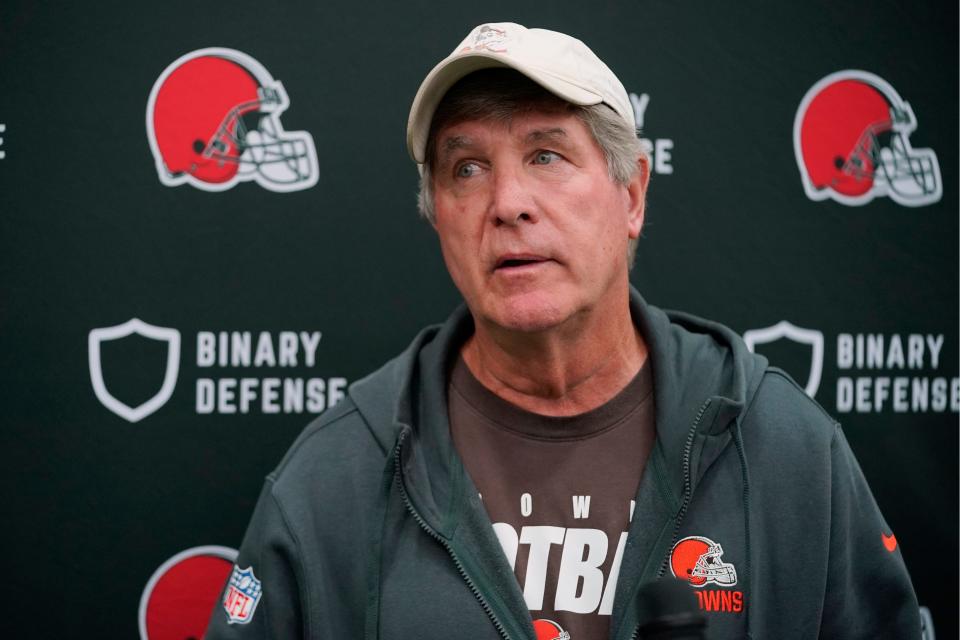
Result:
x=559 y=492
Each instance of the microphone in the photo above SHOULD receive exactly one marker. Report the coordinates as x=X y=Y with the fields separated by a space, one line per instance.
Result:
x=668 y=611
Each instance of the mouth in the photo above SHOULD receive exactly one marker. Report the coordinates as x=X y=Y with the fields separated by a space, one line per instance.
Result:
x=517 y=262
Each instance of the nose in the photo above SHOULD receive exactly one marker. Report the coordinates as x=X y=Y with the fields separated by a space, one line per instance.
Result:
x=511 y=201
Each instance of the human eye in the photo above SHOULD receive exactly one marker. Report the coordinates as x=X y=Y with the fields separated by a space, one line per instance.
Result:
x=545 y=157
x=466 y=169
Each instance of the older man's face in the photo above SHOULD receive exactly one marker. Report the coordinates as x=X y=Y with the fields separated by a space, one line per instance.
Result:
x=533 y=230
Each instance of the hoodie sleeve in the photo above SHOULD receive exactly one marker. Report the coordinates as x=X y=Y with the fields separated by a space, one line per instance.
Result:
x=261 y=598
x=868 y=590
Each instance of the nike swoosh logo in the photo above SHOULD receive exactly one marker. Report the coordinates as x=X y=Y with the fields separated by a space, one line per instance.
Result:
x=889 y=541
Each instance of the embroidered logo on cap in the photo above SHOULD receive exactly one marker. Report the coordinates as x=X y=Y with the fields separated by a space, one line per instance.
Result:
x=490 y=39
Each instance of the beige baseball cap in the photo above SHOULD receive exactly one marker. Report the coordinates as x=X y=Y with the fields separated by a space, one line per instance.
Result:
x=561 y=64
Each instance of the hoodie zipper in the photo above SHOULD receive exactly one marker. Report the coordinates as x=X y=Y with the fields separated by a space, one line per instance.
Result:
x=436 y=536
x=687 y=495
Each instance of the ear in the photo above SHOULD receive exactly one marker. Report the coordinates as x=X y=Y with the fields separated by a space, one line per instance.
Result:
x=637 y=196
x=421 y=169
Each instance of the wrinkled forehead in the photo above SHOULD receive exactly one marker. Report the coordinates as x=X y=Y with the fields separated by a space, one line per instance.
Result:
x=533 y=128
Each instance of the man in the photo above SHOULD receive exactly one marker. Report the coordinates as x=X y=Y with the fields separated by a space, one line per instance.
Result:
x=521 y=470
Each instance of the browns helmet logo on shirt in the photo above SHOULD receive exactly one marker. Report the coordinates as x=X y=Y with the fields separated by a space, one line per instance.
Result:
x=698 y=561
x=213 y=120
x=549 y=630
x=851 y=136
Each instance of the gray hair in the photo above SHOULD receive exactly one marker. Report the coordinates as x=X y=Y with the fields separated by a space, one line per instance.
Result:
x=501 y=94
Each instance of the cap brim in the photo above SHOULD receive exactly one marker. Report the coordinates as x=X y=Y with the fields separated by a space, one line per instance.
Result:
x=449 y=71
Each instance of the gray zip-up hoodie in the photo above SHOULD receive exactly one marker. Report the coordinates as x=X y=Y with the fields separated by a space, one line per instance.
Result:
x=371 y=528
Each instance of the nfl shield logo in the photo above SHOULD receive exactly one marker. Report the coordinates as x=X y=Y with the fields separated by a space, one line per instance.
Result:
x=243 y=594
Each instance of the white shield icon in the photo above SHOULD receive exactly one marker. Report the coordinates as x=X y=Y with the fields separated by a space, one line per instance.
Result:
x=784 y=329
x=134 y=325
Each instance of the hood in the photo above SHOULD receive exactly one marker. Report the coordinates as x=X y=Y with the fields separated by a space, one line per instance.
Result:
x=704 y=378
x=409 y=393
x=703 y=374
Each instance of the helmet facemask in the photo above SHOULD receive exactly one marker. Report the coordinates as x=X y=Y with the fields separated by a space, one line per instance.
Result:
x=712 y=568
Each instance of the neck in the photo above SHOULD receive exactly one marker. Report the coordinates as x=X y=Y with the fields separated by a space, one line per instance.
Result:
x=561 y=371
